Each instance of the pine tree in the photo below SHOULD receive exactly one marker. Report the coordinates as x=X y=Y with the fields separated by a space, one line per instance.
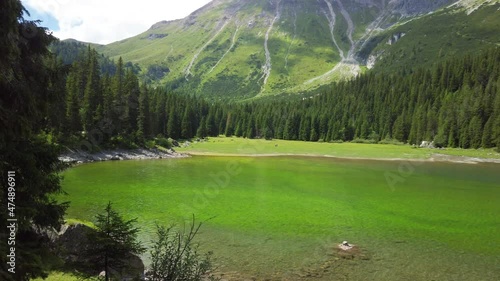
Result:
x=73 y=123
x=143 y=122
x=114 y=240
x=132 y=93
x=161 y=115
x=202 y=129
x=24 y=101
x=119 y=107
x=92 y=92
x=487 y=138
x=250 y=131
x=173 y=124
x=186 y=124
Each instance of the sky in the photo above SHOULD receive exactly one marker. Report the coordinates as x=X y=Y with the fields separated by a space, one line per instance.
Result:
x=106 y=21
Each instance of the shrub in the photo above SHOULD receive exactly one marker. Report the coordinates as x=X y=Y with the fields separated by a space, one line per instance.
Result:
x=150 y=144
x=123 y=142
x=163 y=142
x=358 y=140
x=175 y=256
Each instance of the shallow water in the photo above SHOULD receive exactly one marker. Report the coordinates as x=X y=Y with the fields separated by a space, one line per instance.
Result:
x=282 y=217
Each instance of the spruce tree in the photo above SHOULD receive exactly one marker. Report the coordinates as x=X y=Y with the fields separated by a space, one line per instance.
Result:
x=114 y=240
x=32 y=162
x=132 y=93
x=73 y=121
x=173 y=124
x=142 y=118
x=202 y=129
x=186 y=124
x=92 y=92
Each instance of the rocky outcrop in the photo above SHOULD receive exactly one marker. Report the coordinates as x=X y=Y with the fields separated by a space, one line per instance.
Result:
x=395 y=38
x=79 y=156
x=154 y=36
x=427 y=144
x=73 y=241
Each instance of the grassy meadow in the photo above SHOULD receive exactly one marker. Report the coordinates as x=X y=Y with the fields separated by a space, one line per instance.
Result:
x=241 y=146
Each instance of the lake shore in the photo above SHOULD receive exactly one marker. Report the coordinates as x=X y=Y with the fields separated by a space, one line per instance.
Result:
x=80 y=157
x=434 y=157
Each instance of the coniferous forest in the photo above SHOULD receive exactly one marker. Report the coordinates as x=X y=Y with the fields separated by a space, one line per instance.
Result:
x=454 y=104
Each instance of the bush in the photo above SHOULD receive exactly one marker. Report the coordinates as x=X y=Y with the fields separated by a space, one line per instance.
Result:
x=123 y=142
x=163 y=142
x=440 y=141
x=150 y=144
x=358 y=140
x=175 y=257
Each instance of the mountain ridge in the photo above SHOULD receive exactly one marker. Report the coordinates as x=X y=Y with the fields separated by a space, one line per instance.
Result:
x=240 y=49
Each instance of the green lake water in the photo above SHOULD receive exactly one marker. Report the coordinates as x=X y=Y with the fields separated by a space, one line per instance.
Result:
x=282 y=217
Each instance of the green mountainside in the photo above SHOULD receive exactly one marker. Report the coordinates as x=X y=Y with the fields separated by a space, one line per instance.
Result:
x=447 y=33
x=237 y=49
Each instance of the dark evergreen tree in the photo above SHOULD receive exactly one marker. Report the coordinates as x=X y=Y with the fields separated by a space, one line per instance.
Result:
x=92 y=93
x=173 y=129
x=24 y=101
x=114 y=240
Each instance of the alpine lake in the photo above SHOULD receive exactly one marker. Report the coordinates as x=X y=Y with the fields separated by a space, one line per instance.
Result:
x=282 y=218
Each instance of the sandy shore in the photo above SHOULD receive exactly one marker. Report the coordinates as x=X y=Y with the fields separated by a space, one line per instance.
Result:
x=78 y=156
x=434 y=157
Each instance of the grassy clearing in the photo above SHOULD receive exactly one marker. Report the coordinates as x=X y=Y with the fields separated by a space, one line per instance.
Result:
x=240 y=146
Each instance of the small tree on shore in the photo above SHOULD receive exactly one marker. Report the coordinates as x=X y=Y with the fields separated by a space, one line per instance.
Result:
x=175 y=256
x=114 y=240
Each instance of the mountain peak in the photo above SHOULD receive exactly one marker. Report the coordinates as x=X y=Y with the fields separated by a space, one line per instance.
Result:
x=242 y=49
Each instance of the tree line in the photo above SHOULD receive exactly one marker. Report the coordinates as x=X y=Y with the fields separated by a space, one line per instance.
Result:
x=455 y=104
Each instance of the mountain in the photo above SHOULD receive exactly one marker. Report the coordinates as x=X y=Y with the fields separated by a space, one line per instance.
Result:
x=465 y=27
x=240 y=49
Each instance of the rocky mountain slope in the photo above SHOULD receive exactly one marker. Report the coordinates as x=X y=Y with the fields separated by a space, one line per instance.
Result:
x=239 y=49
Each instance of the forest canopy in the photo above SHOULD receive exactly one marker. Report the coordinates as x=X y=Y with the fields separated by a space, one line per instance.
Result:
x=454 y=104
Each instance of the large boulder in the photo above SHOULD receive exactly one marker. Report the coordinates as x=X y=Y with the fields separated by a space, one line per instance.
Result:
x=427 y=144
x=73 y=241
x=134 y=270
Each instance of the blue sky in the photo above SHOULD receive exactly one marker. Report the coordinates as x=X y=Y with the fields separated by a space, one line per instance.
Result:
x=47 y=19
x=106 y=21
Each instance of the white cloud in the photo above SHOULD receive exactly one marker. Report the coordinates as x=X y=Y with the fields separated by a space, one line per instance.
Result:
x=106 y=21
